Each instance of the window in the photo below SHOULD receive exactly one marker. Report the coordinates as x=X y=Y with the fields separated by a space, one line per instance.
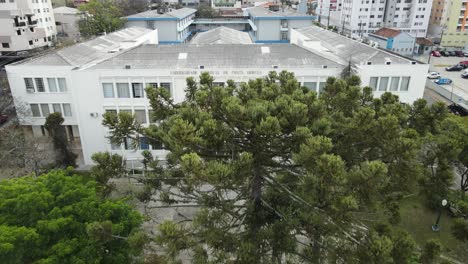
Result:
x=122 y=90
x=137 y=89
x=5 y=45
x=394 y=83
x=404 y=83
x=108 y=90
x=140 y=116
x=62 y=84
x=151 y=116
x=30 y=42
x=322 y=86
x=383 y=84
x=144 y=144
x=311 y=85
x=152 y=85
x=67 y=110
x=129 y=143
x=373 y=83
x=221 y=84
x=45 y=110
x=29 y=84
x=284 y=35
x=35 y=110
x=40 y=85
x=167 y=86
x=56 y=108
x=52 y=85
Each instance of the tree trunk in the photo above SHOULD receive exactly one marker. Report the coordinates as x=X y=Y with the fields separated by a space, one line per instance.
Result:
x=256 y=213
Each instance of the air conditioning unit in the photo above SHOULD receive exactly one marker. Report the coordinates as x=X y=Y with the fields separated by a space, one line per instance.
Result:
x=128 y=67
x=93 y=115
x=30 y=90
x=274 y=66
x=369 y=63
x=413 y=62
x=201 y=67
x=388 y=62
x=324 y=66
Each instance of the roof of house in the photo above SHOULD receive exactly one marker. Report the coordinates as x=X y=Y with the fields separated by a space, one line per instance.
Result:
x=342 y=49
x=424 y=41
x=222 y=35
x=387 y=32
x=236 y=56
x=89 y=51
x=176 y=13
x=66 y=10
x=261 y=11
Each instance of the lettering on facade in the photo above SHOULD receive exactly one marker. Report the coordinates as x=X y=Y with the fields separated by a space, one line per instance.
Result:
x=217 y=73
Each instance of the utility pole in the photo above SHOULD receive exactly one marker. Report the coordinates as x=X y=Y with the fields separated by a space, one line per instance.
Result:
x=328 y=19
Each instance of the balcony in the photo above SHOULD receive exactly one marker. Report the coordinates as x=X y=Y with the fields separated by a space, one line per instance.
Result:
x=32 y=22
x=19 y=24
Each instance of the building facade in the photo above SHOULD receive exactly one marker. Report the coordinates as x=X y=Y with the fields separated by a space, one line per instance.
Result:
x=449 y=23
x=359 y=18
x=173 y=27
x=66 y=19
x=26 y=25
x=263 y=24
x=84 y=89
x=394 y=40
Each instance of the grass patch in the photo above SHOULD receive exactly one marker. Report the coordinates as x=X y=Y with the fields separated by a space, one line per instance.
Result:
x=442 y=65
x=417 y=219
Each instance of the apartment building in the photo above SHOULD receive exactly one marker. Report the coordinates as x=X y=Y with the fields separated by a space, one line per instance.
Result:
x=26 y=25
x=449 y=23
x=358 y=18
x=88 y=79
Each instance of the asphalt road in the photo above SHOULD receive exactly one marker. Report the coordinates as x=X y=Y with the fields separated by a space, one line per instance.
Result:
x=460 y=85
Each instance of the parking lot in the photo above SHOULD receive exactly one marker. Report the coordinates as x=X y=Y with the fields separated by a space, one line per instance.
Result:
x=460 y=85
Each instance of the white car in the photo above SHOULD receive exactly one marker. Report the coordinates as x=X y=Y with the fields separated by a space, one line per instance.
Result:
x=433 y=75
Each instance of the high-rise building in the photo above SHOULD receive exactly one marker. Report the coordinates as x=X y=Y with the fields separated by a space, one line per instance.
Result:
x=448 y=23
x=358 y=18
x=26 y=25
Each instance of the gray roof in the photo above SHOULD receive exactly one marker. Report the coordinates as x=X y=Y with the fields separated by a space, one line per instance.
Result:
x=344 y=49
x=66 y=10
x=260 y=11
x=87 y=52
x=176 y=13
x=222 y=35
x=188 y=56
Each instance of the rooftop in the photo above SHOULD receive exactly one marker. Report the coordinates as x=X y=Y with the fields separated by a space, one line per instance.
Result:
x=342 y=49
x=66 y=10
x=222 y=35
x=153 y=14
x=89 y=51
x=239 y=56
x=260 y=11
x=424 y=41
x=387 y=32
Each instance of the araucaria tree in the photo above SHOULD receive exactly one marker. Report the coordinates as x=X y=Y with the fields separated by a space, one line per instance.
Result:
x=278 y=173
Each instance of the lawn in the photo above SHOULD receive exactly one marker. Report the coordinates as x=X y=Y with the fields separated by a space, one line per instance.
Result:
x=417 y=219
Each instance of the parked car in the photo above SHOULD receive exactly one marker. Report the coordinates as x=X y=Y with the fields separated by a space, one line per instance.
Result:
x=444 y=53
x=442 y=81
x=457 y=67
x=452 y=53
x=3 y=119
x=464 y=64
x=465 y=53
x=459 y=53
x=464 y=75
x=435 y=53
x=458 y=109
x=433 y=75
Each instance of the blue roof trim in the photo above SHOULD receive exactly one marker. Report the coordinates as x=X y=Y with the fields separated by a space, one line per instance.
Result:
x=178 y=41
x=285 y=17
x=152 y=19
x=272 y=41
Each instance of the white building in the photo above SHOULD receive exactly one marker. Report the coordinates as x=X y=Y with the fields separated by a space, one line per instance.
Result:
x=357 y=18
x=67 y=19
x=394 y=40
x=111 y=79
x=173 y=27
x=26 y=25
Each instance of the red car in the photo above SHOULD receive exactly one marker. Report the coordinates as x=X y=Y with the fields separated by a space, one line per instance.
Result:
x=3 y=119
x=435 y=53
x=464 y=64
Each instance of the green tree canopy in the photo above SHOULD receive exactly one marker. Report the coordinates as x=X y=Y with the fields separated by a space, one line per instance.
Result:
x=279 y=172
x=59 y=218
x=100 y=16
x=64 y=156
